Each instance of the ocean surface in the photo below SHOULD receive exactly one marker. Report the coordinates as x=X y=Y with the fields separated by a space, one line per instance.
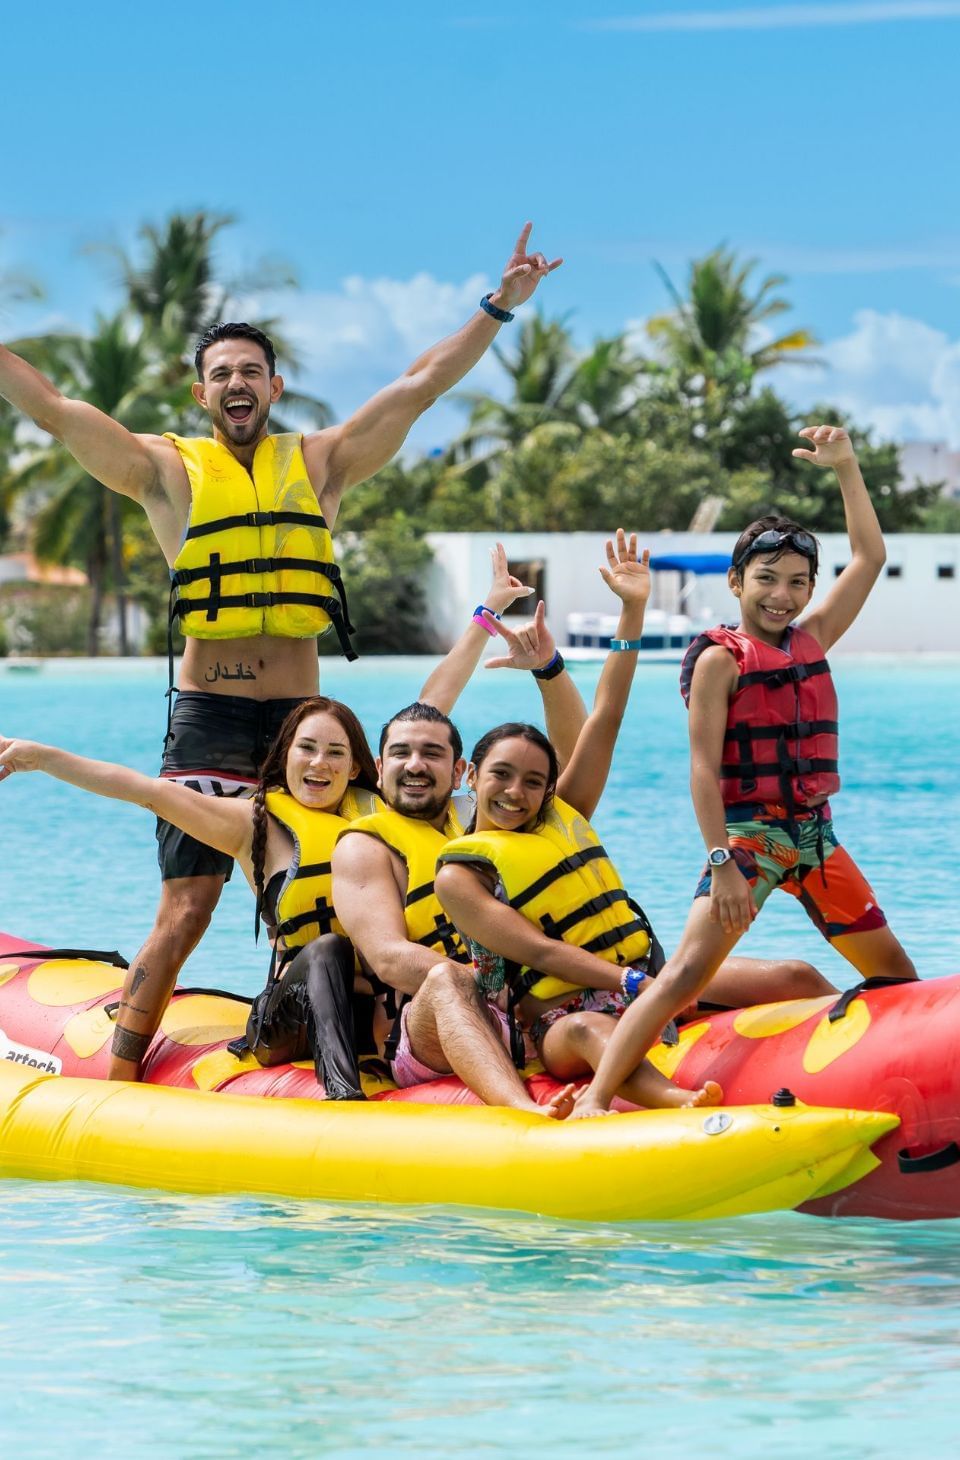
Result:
x=134 y=1324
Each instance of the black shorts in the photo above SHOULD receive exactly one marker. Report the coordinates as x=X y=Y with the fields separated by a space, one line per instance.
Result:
x=216 y=746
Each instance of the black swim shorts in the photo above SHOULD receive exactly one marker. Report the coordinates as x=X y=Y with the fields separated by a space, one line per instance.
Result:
x=216 y=746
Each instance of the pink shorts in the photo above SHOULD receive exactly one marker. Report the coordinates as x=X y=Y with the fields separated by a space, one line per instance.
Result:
x=408 y=1070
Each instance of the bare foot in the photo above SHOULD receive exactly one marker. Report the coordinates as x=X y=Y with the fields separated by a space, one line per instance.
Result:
x=709 y=1094
x=586 y=1107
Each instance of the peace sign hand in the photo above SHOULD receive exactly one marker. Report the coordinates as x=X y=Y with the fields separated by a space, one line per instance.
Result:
x=522 y=273
x=531 y=647
x=625 y=575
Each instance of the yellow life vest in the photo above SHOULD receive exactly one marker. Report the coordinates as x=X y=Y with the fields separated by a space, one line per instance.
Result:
x=419 y=844
x=304 y=907
x=560 y=878
x=256 y=546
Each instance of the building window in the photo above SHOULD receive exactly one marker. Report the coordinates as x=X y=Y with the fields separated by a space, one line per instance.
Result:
x=946 y=570
x=894 y=570
x=532 y=572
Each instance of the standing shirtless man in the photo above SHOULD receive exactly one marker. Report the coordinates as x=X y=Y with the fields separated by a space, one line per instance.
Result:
x=240 y=676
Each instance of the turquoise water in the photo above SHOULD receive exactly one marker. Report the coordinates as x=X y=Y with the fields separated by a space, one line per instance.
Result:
x=148 y=1325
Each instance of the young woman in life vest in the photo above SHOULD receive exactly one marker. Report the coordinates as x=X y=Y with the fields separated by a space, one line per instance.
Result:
x=531 y=888
x=320 y=763
x=763 y=749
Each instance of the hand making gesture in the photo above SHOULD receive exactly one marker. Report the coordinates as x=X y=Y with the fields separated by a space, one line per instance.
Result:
x=505 y=588
x=19 y=755
x=530 y=647
x=831 y=446
x=522 y=273
x=626 y=575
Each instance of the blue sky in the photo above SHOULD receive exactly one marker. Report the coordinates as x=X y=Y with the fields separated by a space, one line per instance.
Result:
x=390 y=153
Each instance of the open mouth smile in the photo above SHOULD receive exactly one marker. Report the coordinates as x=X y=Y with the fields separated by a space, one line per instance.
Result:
x=238 y=408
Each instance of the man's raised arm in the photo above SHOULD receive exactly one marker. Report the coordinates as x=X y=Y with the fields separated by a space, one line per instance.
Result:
x=106 y=450
x=344 y=455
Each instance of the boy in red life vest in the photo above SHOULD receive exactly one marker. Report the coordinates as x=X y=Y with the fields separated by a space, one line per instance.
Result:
x=763 y=742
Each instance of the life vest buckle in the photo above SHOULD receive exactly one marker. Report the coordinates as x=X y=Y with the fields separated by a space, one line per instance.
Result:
x=260 y=519
x=258 y=600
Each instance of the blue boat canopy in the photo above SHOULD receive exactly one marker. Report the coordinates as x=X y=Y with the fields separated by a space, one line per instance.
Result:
x=692 y=562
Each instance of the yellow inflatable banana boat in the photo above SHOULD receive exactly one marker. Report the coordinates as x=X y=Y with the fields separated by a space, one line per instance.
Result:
x=650 y=1166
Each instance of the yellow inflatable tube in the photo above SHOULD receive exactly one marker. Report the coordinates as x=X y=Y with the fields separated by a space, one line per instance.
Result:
x=653 y=1166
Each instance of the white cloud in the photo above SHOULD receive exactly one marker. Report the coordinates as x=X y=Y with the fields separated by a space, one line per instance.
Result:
x=782 y=17
x=355 y=340
x=898 y=374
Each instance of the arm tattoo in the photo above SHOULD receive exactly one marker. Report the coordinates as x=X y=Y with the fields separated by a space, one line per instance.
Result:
x=127 y=1045
x=140 y=976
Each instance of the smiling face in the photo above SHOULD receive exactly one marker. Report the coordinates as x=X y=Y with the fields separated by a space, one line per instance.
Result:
x=416 y=769
x=237 y=390
x=319 y=763
x=772 y=592
x=511 y=785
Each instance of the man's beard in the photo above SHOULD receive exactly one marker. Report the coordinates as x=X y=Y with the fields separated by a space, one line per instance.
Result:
x=427 y=810
x=242 y=433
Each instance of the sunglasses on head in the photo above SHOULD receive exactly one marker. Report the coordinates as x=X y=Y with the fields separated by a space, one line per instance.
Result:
x=775 y=540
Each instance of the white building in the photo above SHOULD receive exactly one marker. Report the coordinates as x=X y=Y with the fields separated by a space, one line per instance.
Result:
x=914 y=608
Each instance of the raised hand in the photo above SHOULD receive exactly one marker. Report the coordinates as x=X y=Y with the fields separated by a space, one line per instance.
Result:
x=522 y=273
x=505 y=588
x=831 y=446
x=626 y=575
x=531 y=647
x=18 y=755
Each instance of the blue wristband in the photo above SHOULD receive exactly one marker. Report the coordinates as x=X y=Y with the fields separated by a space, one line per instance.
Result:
x=624 y=644
x=502 y=316
x=481 y=609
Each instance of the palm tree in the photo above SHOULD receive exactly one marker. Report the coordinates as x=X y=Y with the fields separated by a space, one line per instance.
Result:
x=711 y=333
x=75 y=518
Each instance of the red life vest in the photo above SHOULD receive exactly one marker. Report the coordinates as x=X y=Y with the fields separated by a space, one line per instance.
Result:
x=781 y=738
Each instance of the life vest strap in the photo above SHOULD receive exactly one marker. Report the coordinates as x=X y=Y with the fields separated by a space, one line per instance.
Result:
x=322 y=913
x=417 y=894
x=778 y=678
x=753 y=771
x=445 y=939
x=797 y=730
x=580 y=914
x=569 y=864
x=183 y=576
x=258 y=519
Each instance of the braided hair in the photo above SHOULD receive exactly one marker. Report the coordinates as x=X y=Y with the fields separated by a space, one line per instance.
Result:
x=273 y=772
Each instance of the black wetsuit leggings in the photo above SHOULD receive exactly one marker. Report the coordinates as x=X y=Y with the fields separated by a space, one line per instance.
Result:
x=308 y=1013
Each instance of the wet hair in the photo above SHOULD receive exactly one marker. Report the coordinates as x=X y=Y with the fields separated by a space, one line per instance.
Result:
x=517 y=730
x=273 y=772
x=234 y=331
x=420 y=712
x=772 y=523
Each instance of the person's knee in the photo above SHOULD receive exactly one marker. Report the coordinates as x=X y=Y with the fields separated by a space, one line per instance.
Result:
x=448 y=980
x=184 y=914
x=802 y=981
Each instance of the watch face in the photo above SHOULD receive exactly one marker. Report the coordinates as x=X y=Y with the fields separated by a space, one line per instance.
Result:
x=718 y=857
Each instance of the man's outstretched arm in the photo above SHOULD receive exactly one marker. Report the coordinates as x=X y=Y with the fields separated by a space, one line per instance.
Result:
x=106 y=450
x=344 y=455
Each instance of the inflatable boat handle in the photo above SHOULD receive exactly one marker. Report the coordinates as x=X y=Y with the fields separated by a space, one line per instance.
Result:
x=948 y=1155
x=839 y=1010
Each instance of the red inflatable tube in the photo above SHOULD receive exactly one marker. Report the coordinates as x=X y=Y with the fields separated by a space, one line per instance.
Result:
x=886 y=1048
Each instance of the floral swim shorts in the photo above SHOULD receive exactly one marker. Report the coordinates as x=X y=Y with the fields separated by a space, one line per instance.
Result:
x=801 y=855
